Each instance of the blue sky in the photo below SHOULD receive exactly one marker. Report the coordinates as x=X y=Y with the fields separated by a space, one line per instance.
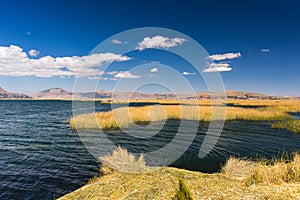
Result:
x=74 y=28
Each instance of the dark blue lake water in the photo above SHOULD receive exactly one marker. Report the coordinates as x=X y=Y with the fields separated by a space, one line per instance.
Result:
x=42 y=158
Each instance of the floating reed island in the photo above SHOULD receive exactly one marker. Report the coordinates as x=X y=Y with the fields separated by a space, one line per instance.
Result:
x=238 y=179
x=124 y=117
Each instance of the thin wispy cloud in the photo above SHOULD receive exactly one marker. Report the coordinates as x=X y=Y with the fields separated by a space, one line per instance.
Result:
x=159 y=42
x=218 y=65
x=116 y=41
x=155 y=62
x=217 y=69
x=154 y=70
x=126 y=74
x=225 y=56
x=108 y=79
x=101 y=78
x=188 y=73
x=265 y=50
x=15 y=62
x=33 y=53
x=111 y=73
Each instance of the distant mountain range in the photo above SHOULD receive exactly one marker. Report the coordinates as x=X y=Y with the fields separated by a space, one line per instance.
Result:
x=52 y=93
x=59 y=93
x=9 y=95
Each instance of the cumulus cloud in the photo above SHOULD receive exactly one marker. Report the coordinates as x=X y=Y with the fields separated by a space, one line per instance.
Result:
x=225 y=56
x=126 y=74
x=159 y=42
x=33 y=53
x=218 y=67
x=265 y=50
x=188 y=73
x=222 y=66
x=154 y=70
x=15 y=62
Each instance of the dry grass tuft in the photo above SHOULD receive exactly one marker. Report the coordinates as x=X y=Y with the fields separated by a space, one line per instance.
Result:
x=276 y=173
x=122 y=160
x=238 y=168
x=266 y=172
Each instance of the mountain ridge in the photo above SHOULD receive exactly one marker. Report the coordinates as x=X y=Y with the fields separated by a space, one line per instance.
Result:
x=59 y=93
x=10 y=95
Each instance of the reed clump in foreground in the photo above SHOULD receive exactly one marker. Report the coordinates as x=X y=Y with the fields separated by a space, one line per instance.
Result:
x=264 y=172
x=290 y=125
x=125 y=116
x=122 y=160
x=162 y=183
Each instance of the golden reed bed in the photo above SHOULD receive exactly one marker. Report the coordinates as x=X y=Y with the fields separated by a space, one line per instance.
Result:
x=235 y=110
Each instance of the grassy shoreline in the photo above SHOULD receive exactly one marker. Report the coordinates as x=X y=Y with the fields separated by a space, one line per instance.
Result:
x=239 y=179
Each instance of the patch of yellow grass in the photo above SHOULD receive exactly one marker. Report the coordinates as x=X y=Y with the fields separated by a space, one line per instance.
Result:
x=281 y=105
x=290 y=125
x=125 y=116
x=279 y=171
x=276 y=173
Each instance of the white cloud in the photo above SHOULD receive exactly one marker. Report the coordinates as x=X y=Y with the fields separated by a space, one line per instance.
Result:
x=126 y=74
x=33 y=53
x=222 y=66
x=15 y=62
x=116 y=41
x=159 y=42
x=28 y=33
x=154 y=70
x=112 y=79
x=225 y=56
x=265 y=50
x=93 y=77
x=188 y=73
x=111 y=73
x=101 y=78
x=155 y=62
x=219 y=67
